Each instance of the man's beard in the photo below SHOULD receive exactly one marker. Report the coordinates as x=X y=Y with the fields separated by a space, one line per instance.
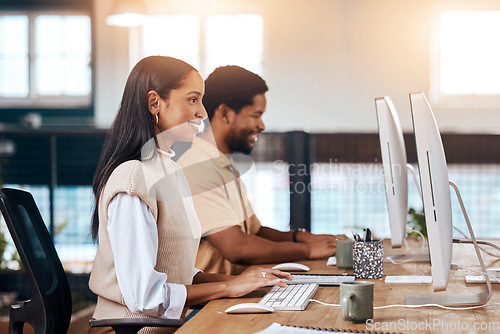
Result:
x=238 y=142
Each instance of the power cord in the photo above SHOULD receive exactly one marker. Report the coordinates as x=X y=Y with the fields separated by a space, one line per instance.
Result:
x=469 y=241
x=415 y=306
x=422 y=247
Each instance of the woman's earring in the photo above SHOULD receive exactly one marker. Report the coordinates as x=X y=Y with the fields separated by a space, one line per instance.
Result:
x=155 y=119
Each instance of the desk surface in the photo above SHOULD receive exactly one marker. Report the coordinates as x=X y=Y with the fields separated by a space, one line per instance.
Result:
x=212 y=319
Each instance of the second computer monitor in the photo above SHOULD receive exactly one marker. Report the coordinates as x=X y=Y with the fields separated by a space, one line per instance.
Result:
x=394 y=163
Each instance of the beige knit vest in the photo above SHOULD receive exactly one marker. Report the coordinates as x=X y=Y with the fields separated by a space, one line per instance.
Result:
x=163 y=187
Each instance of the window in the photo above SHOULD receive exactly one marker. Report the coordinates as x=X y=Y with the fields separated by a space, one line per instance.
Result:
x=206 y=42
x=45 y=60
x=466 y=70
x=161 y=37
x=14 y=56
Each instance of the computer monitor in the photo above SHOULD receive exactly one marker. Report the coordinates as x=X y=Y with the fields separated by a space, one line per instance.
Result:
x=396 y=168
x=393 y=153
x=437 y=208
x=435 y=189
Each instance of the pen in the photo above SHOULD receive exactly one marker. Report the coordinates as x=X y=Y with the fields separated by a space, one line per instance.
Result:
x=368 y=235
x=356 y=236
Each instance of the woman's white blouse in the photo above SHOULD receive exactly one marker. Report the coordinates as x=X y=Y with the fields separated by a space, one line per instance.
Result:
x=133 y=236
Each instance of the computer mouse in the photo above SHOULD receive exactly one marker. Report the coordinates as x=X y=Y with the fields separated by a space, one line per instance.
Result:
x=291 y=267
x=249 y=308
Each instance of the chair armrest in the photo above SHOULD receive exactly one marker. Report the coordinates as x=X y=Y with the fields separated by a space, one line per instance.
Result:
x=197 y=306
x=20 y=304
x=136 y=323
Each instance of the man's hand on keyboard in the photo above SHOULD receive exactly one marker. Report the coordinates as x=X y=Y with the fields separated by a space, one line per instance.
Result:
x=321 y=249
x=254 y=279
x=309 y=238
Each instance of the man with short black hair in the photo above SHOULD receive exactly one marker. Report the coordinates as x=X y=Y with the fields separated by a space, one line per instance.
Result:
x=233 y=236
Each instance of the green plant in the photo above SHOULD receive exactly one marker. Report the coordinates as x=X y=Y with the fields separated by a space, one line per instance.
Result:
x=59 y=228
x=10 y=258
x=416 y=221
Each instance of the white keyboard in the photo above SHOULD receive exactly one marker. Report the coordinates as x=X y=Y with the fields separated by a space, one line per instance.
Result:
x=320 y=279
x=479 y=279
x=494 y=274
x=292 y=298
x=408 y=279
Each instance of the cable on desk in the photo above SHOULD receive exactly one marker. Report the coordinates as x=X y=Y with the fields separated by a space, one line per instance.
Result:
x=436 y=305
x=482 y=242
x=422 y=247
x=323 y=303
x=414 y=306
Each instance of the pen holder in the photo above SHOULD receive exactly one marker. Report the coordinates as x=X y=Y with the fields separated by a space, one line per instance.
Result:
x=367 y=258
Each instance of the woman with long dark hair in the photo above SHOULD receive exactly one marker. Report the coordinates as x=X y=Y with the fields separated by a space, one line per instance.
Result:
x=144 y=217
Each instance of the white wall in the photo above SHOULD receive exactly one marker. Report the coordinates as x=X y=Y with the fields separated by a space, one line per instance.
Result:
x=325 y=61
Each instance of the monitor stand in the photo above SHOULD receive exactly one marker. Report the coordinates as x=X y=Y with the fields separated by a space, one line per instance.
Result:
x=470 y=299
x=413 y=254
x=408 y=257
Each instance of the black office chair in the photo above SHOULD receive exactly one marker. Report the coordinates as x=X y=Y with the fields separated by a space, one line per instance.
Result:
x=49 y=309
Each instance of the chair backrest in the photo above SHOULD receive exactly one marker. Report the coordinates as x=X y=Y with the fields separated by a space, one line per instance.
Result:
x=49 y=310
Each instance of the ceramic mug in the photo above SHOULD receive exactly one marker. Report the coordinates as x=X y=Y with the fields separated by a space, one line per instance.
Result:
x=344 y=253
x=356 y=301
